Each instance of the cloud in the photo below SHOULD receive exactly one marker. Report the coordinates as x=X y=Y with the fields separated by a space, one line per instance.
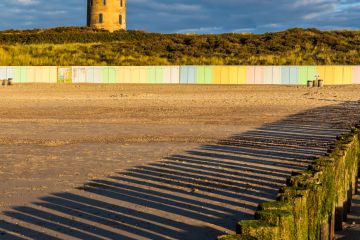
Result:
x=26 y=2
x=200 y=16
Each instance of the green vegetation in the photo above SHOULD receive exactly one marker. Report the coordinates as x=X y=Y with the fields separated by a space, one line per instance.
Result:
x=87 y=46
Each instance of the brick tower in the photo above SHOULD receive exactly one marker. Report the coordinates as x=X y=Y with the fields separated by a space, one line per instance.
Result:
x=107 y=14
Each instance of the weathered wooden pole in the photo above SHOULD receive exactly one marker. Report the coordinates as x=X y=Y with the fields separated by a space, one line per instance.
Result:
x=309 y=83
x=320 y=83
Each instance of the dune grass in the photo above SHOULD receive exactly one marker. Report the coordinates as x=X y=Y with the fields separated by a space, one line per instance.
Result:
x=84 y=46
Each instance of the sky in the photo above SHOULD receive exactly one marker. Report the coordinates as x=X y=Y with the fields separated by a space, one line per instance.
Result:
x=191 y=16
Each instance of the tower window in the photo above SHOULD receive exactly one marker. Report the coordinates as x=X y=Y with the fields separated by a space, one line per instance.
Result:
x=104 y=1
x=121 y=3
x=101 y=18
x=120 y=19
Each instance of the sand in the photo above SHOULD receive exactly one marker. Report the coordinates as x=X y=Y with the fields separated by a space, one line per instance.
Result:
x=145 y=162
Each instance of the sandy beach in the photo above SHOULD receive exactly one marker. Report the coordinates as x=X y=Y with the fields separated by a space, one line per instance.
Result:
x=56 y=139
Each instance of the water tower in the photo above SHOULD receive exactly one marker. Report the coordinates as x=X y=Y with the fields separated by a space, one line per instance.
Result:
x=107 y=14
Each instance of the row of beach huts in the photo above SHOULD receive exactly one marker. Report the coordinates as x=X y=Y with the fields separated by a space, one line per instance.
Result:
x=295 y=75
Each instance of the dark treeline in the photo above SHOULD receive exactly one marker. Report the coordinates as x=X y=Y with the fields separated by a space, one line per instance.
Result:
x=86 y=46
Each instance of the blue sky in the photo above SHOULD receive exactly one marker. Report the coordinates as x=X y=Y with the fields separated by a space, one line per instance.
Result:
x=200 y=16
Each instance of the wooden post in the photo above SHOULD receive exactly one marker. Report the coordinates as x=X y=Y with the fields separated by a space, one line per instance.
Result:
x=320 y=83
x=332 y=225
x=325 y=231
x=309 y=83
x=339 y=218
x=349 y=198
x=357 y=182
x=9 y=81
x=3 y=82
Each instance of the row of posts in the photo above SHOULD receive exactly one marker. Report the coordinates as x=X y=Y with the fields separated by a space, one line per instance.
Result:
x=340 y=212
x=337 y=218
x=7 y=82
x=315 y=83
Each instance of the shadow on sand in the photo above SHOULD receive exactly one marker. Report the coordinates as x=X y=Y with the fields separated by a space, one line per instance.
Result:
x=196 y=195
